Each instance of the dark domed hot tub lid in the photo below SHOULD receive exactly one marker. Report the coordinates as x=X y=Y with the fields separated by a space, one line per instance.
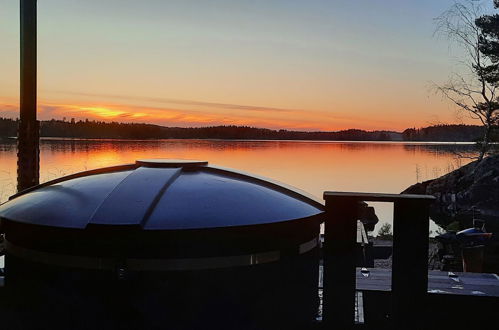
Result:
x=174 y=242
x=158 y=194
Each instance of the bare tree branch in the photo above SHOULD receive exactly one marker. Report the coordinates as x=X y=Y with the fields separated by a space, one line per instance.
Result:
x=476 y=95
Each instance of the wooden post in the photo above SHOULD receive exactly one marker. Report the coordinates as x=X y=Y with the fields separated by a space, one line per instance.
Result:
x=339 y=263
x=410 y=257
x=410 y=263
x=28 y=131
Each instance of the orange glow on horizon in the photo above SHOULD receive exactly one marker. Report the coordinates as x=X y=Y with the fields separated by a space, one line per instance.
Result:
x=291 y=119
x=111 y=114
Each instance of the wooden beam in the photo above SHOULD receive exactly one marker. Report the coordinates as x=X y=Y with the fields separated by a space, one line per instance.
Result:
x=410 y=262
x=410 y=257
x=28 y=131
x=339 y=262
x=376 y=197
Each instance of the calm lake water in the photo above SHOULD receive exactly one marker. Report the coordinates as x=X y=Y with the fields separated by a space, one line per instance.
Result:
x=311 y=166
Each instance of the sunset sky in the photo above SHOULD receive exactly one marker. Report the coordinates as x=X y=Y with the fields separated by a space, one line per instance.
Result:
x=310 y=65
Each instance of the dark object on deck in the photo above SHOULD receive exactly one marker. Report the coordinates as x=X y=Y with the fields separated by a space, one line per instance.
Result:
x=367 y=216
x=449 y=252
x=382 y=251
x=28 y=166
x=158 y=244
x=473 y=242
x=474 y=236
x=473 y=258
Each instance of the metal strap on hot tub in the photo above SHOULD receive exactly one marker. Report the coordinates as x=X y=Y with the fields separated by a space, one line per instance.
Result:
x=134 y=264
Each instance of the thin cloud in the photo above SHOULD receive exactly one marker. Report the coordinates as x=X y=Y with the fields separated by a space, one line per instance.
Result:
x=183 y=102
x=172 y=116
x=318 y=115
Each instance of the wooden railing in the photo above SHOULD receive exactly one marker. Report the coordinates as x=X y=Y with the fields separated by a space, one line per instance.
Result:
x=409 y=263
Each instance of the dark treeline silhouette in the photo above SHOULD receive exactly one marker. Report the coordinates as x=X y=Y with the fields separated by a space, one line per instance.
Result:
x=8 y=127
x=459 y=133
x=114 y=130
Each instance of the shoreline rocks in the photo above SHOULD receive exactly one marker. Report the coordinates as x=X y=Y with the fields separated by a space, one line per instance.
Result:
x=472 y=190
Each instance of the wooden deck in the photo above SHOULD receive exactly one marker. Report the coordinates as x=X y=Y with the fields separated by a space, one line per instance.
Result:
x=471 y=284
x=449 y=289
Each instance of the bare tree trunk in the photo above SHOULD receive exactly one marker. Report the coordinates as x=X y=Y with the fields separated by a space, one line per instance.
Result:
x=485 y=142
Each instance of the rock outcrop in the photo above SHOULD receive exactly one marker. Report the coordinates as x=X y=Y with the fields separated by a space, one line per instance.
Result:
x=472 y=187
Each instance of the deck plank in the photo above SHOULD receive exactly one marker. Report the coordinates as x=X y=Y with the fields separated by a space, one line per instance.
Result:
x=438 y=282
x=473 y=284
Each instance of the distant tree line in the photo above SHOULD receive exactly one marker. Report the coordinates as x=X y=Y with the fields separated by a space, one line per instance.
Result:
x=113 y=130
x=458 y=133
x=8 y=127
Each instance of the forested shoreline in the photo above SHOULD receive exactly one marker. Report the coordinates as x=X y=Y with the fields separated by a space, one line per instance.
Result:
x=115 y=130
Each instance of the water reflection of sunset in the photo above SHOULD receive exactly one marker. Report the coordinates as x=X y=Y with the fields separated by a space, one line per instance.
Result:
x=311 y=166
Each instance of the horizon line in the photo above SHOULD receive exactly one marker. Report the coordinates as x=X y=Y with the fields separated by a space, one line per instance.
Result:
x=243 y=126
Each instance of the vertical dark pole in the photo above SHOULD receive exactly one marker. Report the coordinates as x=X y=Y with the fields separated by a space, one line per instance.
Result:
x=410 y=263
x=340 y=235
x=29 y=130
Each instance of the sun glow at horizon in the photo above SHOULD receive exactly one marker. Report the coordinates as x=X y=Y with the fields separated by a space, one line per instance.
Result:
x=191 y=117
x=110 y=113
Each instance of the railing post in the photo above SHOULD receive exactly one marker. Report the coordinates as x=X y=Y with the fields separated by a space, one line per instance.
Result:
x=410 y=263
x=28 y=163
x=339 y=262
